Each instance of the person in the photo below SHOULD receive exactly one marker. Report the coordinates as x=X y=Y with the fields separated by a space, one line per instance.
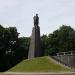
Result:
x=36 y=20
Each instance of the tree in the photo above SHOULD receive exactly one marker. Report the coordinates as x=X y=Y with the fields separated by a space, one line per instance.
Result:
x=53 y=43
x=8 y=46
x=1 y=40
x=44 y=44
x=12 y=48
x=24 y=43
x=62 y=39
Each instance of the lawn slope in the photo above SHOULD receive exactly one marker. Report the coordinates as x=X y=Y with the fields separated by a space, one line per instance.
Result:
x=39 y=64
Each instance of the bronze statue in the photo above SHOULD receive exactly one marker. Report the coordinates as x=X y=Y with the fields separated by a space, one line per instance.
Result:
x=36 y=20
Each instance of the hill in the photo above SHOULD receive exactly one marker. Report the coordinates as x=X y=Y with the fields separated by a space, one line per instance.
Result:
x=39 y=64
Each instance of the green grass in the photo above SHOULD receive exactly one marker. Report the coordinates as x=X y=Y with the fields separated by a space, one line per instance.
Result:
x=40 y=64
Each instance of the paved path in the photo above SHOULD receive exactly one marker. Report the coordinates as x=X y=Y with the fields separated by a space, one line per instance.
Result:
x=37 y=73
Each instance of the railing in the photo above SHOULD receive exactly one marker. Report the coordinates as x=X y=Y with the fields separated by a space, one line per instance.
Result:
x=66 y=53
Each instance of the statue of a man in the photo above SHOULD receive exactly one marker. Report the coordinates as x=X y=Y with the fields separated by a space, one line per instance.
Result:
x=36 y=20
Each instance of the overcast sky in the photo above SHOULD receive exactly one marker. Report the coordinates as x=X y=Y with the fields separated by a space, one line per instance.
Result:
x=52 y=14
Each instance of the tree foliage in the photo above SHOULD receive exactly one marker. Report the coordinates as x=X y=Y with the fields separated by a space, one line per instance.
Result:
x=12 y=48
x=62 y=39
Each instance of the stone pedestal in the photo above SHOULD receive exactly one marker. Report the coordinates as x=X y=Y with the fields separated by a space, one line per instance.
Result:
x=35 y=46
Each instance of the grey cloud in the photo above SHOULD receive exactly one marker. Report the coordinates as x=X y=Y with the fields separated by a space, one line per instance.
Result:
x=52 y=13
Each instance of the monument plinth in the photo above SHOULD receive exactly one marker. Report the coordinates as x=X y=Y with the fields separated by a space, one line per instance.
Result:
x=35 y=46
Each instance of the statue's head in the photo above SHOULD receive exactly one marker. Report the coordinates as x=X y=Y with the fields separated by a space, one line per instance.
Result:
x=36 y=14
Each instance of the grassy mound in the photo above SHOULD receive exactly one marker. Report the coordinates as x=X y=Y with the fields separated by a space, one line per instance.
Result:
x=40 y=64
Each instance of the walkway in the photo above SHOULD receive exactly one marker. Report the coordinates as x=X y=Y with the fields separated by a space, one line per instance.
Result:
x=37 y=73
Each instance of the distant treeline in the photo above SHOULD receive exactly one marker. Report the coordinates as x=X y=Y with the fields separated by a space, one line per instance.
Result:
x=13 y=49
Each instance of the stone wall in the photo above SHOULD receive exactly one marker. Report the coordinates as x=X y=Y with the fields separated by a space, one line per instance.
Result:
x=68 y=60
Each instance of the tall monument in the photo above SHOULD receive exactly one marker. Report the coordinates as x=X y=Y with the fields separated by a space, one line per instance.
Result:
x=35 y=46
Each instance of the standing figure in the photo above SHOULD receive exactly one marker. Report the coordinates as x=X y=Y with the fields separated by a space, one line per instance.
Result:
x=36 y=20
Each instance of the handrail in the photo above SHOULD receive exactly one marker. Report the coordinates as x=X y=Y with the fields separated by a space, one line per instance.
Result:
x=66 y=53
